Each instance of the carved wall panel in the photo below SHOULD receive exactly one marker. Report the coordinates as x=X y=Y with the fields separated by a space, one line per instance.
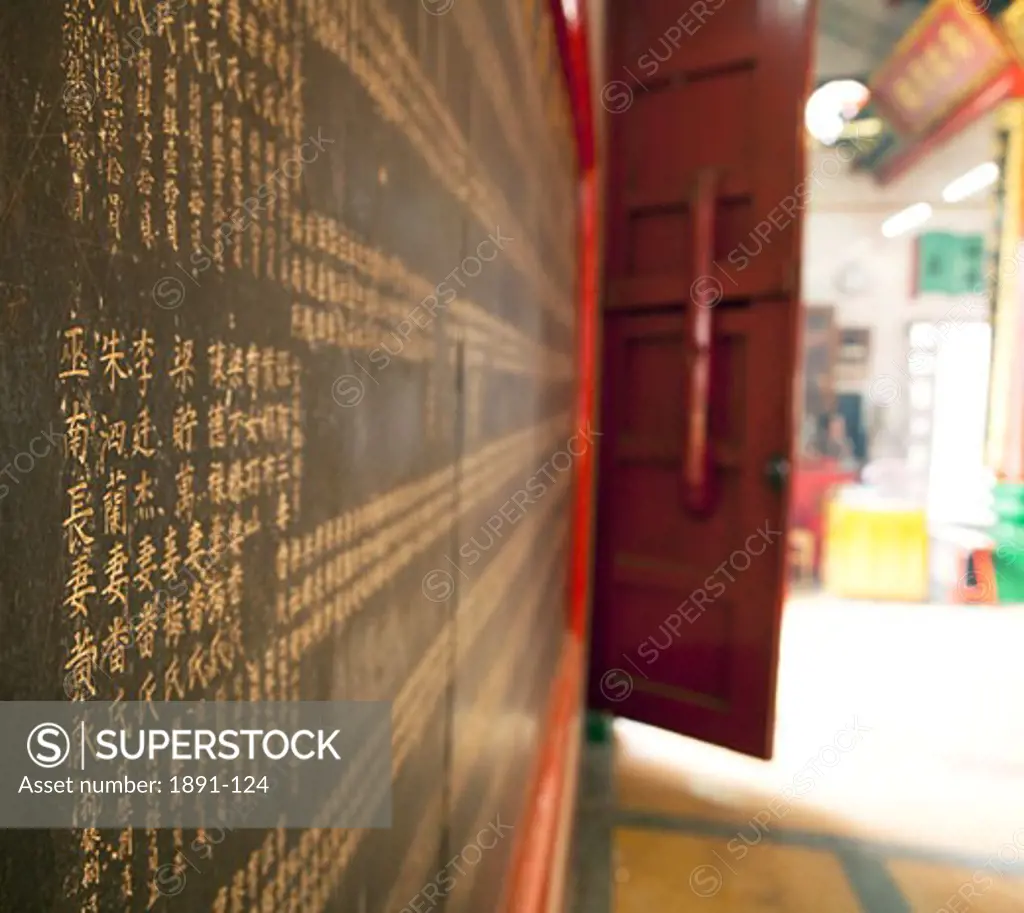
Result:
x=286 y=323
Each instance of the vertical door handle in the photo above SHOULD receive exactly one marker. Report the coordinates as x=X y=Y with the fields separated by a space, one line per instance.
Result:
x=698 y=468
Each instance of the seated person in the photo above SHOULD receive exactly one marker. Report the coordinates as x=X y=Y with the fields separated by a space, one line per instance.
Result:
x=837 y=444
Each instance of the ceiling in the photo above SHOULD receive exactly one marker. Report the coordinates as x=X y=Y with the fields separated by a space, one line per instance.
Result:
x=924 y=182
x=855 y=36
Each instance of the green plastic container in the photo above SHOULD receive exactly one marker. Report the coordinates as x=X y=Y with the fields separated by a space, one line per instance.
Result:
x=599 y=727
x=1008 y=503
x=1008 y=535
x=1009 y=567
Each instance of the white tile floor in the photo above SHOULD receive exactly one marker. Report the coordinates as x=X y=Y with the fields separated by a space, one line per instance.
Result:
x=938 y=695
x=942 y=690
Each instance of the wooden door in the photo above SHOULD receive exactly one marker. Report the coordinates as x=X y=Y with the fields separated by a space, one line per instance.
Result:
x=700 y=325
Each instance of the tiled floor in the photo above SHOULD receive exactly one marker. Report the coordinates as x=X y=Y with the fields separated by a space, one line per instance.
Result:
x=897 y=786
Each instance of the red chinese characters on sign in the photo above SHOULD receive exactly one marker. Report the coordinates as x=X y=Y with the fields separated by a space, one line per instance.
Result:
x=949 y=55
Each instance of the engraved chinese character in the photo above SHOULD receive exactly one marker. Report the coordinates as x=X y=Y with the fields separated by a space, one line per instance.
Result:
x=216 y=657
x=125 y=850
x=148 y=687
x=253 y=477
x=184 y=480
x=213 y=63
x=183 y=427
x=236 y=426
x=235 y=488
x=183 y=370
x=116 y=643
x=252 y=368
x=197 y=673
x=79 y=516
x=284 y=369
x=142 y=352
x=172 y=681
x=234 y=592
x=142 y=434
x=236 y=368
x=216 y=483
x=196 y=551
x=217 y=426
x=218 y=357
x=145 y=630
x=144 y=497
x=116 y=571
x=74 y=359
x=113 y=437
x=115 y=504
x=196 y=607
x=77 y=433
x=145 y=565
x=267 y=366
x=192 y=43
x=79 y=585
x=113 y=358
x=82 y=662
x=282 y=561
x=171 y=563
x=174 y=625
x=253 y=426
x=217 y=598
x=233 y=77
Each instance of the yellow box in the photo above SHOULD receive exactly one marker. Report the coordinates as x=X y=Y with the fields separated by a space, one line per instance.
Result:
x=874 y=550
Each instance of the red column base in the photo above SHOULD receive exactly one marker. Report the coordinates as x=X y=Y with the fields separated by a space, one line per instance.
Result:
x=538 y=861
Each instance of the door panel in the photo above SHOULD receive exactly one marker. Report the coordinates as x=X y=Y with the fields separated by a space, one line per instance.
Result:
x=688 y=596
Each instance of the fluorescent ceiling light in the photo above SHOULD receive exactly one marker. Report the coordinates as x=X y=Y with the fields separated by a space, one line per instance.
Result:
x=831 y=106
x=969 y=184
x=906 y=220
x=862 y=129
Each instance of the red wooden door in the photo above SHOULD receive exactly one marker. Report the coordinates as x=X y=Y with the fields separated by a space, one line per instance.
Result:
x=700 y=324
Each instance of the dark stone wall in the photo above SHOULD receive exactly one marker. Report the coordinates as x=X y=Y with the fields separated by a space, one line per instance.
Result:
x=286 y=328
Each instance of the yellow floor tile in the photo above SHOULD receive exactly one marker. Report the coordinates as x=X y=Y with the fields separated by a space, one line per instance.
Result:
x=931 y=888
x=664 y=872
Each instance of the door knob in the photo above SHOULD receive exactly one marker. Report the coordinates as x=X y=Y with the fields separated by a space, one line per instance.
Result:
x=776 y=472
